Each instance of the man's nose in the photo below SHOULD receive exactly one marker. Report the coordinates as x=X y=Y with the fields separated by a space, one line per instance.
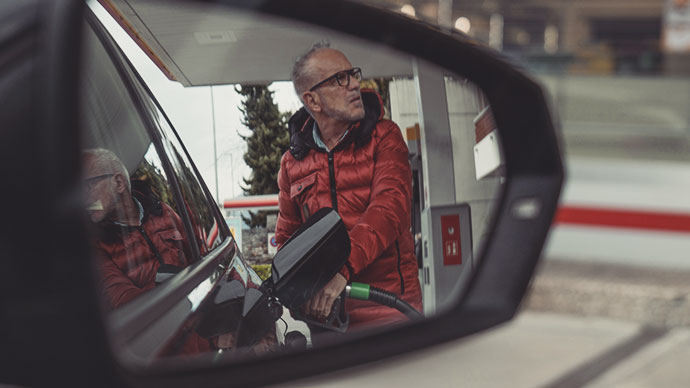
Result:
x=354 y=83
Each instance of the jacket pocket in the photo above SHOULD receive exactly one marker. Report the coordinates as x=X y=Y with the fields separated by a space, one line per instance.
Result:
x=302 y=185
x=171 y=235
x=299 y=192
x=173 y=250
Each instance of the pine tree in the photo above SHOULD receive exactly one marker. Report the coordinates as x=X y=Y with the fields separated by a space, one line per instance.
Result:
x=265 y=146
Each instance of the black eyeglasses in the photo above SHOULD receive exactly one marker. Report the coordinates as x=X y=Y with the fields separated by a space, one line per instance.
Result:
x=90 y=183
x=343 y=77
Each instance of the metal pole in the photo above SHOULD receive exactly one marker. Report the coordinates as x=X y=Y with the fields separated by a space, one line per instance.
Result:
x=215 y=152
x=232 y=175
x=496 y=31
x=445 y=14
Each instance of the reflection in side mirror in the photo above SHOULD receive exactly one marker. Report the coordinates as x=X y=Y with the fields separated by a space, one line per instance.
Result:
x=223 y=314
x=442 y=181
x=450 y=156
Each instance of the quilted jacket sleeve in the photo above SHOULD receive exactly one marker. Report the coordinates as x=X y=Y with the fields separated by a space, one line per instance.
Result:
x=289 y=216
x=117 y=287
x=388 y=213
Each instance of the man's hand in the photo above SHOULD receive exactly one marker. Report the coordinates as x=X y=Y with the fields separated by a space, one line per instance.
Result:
x=320 y=304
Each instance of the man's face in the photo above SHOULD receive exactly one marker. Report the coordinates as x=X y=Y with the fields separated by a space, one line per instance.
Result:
x=342 y=103
x=99 y=193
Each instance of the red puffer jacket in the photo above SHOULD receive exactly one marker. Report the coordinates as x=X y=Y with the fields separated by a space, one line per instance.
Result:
x=130 y=256
x=367 y=179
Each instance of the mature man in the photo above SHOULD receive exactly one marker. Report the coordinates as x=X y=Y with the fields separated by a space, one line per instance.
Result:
x=344 y=155
x=140 y=240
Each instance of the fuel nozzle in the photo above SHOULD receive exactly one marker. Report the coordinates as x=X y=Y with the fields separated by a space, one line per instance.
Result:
x=363 y=291
x=338 y=320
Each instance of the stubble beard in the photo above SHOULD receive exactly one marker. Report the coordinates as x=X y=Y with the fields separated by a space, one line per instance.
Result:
x=344 y=114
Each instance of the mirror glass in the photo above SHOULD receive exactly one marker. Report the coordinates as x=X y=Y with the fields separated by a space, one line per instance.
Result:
x=200 y=162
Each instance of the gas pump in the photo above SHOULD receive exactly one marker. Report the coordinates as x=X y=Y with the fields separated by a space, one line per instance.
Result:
x=456 y=185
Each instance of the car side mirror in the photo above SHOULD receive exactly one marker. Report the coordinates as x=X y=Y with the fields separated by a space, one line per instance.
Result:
x=41 y=83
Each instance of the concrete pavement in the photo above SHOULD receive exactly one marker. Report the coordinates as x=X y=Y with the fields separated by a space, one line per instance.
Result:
x=536 y=350
x=663 y=363
x=656 y=297
x=582 y=325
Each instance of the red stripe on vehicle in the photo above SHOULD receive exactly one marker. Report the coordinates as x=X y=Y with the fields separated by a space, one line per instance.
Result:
x=214 y=234
x=628 y=219
x=253 y=202
x=569 y=215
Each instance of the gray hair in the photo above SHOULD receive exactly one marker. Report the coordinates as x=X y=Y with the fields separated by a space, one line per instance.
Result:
x=301 y=74
x=107 y=162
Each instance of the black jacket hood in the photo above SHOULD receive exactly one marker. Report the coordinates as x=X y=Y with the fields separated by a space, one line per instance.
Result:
x=301 y=123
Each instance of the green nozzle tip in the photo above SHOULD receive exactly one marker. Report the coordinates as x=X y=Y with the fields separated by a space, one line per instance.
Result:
x=359 y=291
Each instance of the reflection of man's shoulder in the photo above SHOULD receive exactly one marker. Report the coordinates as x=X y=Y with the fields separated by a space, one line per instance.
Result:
x=167 y=212
x=165 y=208
x=287 y=157
x=385 y=127
x=289 y=161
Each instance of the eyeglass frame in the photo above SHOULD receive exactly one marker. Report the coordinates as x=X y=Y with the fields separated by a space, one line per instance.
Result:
x=349 y=73
x=90 y=183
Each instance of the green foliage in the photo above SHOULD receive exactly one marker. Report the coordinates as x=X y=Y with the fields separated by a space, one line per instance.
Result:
x=192 y=194
x=152 y=175
x=265 y=146
x=263 y=270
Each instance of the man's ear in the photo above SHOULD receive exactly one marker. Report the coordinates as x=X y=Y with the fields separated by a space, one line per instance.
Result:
x=121 y=184
x=311 y=101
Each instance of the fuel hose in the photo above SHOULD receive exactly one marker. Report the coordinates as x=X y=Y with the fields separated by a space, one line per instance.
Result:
x=363 y=291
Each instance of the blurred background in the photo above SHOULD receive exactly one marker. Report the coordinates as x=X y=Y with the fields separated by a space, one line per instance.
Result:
x=610 y=303
x=616 y=73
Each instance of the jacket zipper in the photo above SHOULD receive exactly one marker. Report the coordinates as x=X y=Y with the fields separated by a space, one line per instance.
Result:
x=402 y=281
x=148 y=241
x=331 y=175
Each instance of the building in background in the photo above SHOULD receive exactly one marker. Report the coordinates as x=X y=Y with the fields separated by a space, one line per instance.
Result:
x=584 y=36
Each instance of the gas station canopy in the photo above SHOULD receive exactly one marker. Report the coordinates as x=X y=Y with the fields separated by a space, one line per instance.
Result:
x=202 y=44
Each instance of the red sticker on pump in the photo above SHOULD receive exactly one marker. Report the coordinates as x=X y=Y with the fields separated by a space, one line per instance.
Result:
x=450 y=239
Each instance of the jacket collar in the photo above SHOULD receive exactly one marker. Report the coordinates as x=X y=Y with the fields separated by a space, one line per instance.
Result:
x=110 y=231
x=301 y=124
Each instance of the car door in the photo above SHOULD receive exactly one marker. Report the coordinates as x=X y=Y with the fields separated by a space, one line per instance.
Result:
x=120 y=115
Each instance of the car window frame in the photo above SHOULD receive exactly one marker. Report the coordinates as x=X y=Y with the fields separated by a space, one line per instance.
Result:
x=124 y=68
x=185 y=159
